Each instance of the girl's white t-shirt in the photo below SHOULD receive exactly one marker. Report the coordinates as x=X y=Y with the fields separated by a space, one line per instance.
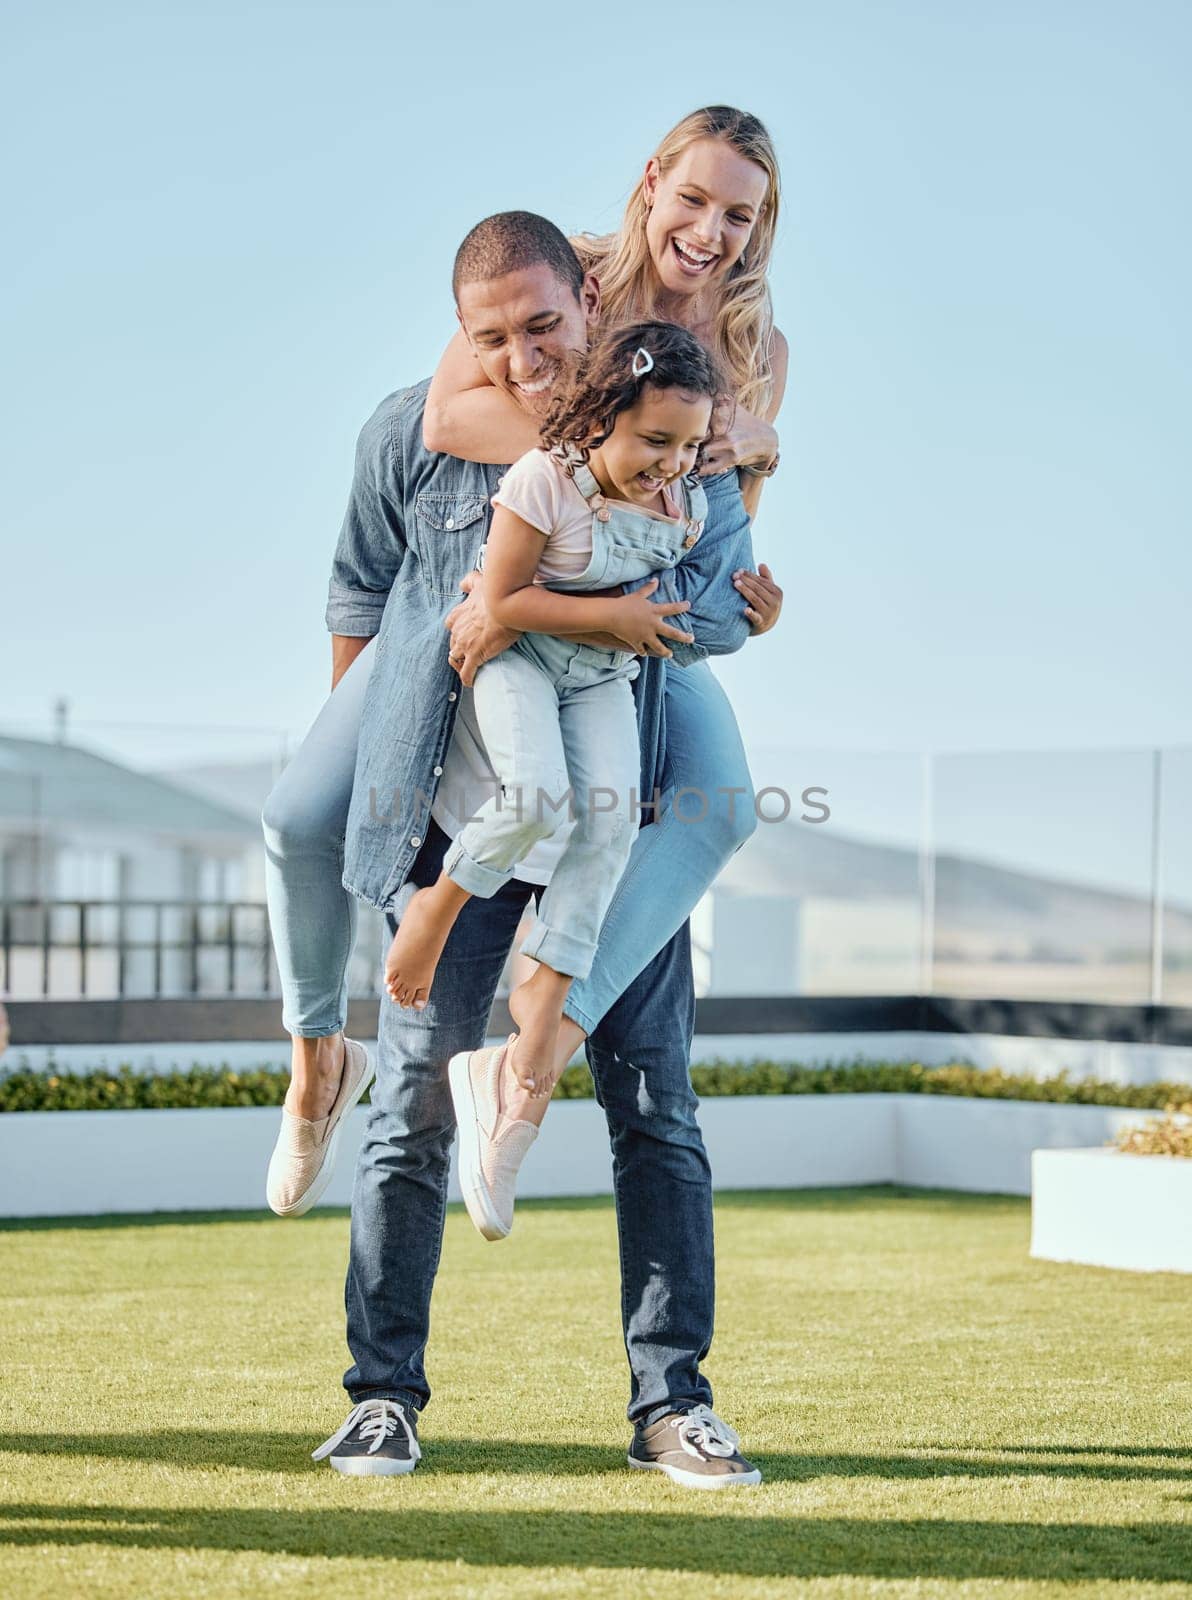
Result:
x=538 y=490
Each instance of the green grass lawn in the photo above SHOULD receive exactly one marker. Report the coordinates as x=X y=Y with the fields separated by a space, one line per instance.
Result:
x=936 y=1414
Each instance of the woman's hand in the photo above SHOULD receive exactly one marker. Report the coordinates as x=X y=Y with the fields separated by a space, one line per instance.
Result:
x=750 y=441
x=763 y=597
x=641 y=622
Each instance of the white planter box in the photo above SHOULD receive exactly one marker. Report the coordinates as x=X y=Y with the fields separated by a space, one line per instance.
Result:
x=1104 y=1208
x=67 y=1163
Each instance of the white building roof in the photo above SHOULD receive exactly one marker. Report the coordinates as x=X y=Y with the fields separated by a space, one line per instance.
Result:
x=63 y=783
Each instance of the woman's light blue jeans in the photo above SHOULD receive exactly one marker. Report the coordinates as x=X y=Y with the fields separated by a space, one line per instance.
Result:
x=672 y=863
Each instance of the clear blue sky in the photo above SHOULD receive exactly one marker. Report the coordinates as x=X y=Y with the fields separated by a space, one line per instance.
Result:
x=230 y=231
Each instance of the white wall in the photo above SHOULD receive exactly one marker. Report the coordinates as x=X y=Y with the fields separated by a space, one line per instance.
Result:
x=752 y=944
x=82 y=1163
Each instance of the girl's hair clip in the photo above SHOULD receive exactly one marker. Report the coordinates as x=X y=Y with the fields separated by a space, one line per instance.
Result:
x=643 y=362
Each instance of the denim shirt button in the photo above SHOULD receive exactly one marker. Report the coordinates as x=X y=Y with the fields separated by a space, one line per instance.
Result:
x=416 y=841
x=451 y=696
x=450 y=523
x=438 y=772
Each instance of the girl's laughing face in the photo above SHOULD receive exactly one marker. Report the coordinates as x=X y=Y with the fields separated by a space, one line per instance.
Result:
x=652 y=443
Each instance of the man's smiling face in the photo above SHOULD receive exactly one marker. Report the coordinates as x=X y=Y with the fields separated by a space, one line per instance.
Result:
x=528 y=330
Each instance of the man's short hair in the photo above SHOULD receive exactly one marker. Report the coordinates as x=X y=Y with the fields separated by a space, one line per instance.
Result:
x=511 y=241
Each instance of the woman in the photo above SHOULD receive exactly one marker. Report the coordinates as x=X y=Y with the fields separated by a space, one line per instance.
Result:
x=694 y=248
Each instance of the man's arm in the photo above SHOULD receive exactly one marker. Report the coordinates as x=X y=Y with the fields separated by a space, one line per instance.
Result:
x=372 y=542
x=466 y=417
x=344 y=650
x=477 y=638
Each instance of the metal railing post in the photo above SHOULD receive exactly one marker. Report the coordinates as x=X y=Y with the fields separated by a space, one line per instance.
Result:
x=927 y=876
x=1157 y=879
x=194 y=950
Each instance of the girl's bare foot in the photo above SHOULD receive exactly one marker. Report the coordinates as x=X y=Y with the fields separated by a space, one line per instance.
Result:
x=536 y=1007
x=539 y=1012
x=418 y=943
x=316 y=1070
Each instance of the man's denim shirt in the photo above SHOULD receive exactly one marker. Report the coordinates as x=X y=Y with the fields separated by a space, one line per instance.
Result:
x=414 y=527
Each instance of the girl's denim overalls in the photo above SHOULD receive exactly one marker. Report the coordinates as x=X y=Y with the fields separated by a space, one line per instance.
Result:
x=558 y=721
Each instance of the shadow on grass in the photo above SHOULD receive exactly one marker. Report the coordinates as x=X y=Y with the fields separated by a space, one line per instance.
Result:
x=726 y=1200
x=1159 y=1451
x=751 y=1545
x=290 y=1452
x=145 y=1219
x=188 y=1219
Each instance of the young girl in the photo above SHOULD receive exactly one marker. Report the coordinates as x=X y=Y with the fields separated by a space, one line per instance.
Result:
x=608 y=500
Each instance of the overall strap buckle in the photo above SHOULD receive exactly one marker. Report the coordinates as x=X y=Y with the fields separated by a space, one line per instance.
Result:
x=578 y=470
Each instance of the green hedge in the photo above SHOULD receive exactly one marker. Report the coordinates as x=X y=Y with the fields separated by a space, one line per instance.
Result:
x=128 y=1090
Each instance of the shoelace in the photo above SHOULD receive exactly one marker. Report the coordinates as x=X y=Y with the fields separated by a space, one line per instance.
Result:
x=701 y=1430
x=377 y=1421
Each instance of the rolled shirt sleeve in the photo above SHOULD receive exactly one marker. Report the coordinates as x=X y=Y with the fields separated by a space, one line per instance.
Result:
x=372 y=542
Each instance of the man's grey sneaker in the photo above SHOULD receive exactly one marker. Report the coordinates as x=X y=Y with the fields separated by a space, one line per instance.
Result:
x=303 y=1158
x=378 y=1437
x=695 y=1448
x=492 y=1146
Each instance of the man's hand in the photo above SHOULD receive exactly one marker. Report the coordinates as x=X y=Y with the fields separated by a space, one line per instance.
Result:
x=763 y=597
x=475 y=637
x=642 y=622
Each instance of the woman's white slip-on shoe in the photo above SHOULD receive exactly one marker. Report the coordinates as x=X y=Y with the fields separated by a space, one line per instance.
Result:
x=303 y=1158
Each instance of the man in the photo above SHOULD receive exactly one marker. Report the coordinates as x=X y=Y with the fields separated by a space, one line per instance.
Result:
x=413 y=530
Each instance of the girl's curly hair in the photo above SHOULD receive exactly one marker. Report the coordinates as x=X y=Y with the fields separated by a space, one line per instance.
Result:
x=604 y=385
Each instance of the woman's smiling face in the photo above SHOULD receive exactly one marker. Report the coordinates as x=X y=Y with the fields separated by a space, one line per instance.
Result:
x=702 y=213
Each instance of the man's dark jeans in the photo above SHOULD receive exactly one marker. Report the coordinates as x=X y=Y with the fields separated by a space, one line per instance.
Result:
x=639 y=1059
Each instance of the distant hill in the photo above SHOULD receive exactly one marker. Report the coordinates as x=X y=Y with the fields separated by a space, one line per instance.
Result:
x=799 y=861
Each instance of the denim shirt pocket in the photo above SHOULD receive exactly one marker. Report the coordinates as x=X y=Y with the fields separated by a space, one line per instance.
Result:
x=450 y=530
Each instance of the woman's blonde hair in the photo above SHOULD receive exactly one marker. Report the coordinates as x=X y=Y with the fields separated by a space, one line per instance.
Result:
x=744 y=320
